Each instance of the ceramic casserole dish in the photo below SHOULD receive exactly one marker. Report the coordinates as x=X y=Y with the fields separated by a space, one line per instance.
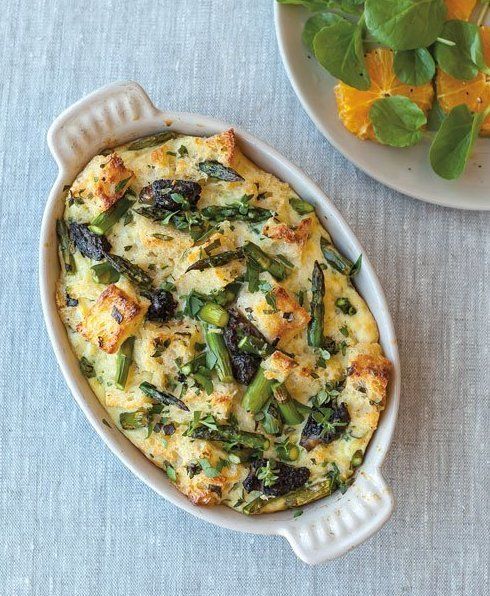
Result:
x=120 y=113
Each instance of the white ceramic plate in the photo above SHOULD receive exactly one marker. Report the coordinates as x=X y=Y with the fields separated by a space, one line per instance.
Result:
x=122 y=112
x=406 y=170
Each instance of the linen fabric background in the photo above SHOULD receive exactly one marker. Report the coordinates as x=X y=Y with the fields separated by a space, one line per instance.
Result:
x=73 y=520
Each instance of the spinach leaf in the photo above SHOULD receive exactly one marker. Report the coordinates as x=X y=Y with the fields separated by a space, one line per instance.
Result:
x=435 y=117
x=452 y=145
x=405 y=24
x=338 y=48
x=314 y=24
x=414 y=67
x=397 y=121
x=464 y=59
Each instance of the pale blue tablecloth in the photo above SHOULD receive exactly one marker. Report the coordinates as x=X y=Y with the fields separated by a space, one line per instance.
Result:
x=73 y=520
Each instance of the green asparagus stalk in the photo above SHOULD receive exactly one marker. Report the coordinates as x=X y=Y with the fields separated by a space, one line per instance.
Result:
x=134 y=273
x=214 y=314
x=229 y=434
x=300 y=206
x=287 y=451
x=104 y=273
x=216 y=344
x=226 y=295
x=215 y=169
x=287 y=406
x=134 y=420
x=151 y=141
x=258 y=392
x=65 y=247
x=345 y=306
x=267 y=263
x=301 y=496
x=193 y=365
x=254 y=345
x=123 y=362
x=162 y=397
x=220 y=213
x=223 y=258
x=338 y=261
x=105 y=220
x=317 y=308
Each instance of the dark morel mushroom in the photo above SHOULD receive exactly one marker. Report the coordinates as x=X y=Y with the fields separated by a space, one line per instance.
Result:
x=170 y=194
x=324 y=425
x=93 y=246
x=244 y=365
x=162 y=307
x=283 y=478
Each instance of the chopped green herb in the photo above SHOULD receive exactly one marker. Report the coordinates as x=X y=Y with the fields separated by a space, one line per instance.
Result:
x=87 y=368
x=345 y=306
x=267 y=474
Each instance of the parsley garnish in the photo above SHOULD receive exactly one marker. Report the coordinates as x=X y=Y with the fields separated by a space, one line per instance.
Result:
x=267 y=475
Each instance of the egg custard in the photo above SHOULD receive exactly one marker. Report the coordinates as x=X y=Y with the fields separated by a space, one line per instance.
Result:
x=217 y=323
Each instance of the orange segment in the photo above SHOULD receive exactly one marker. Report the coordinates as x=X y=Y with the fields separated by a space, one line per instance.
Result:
x=475 y=94
x=460 y=9
x=354 y=105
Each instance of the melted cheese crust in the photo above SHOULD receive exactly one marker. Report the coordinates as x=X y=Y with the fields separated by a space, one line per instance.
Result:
x=165 y=253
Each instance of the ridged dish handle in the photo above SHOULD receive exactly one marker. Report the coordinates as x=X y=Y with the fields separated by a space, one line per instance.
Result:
x=90 y=125
x=365 y=507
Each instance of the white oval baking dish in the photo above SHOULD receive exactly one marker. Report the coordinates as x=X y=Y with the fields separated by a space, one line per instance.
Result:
x=122 y=112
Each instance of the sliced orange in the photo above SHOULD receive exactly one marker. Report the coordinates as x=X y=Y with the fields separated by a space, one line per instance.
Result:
x=460 y=9
x=354 y=104
x=475 y=94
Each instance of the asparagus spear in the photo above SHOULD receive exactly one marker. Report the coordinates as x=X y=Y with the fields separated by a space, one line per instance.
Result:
x=214 y=314
x=287 y=451
x=300 y=206
x=134 y=273
x=104 y=273
x=266 y=262
x=65 y=247
x=226 y=295
x=216 y=345
x=193 y=365
x=338 y=261
x=150 y=141
x=133 y=420
x=123 y=362
x=317 y=308
x=287 y=406
x=345 y=306
x=236 y=212
x=162 y=397
x=229 y=434
x=105 y=220
x=216 y=260
x=257 y=393
x=215 y=169
x=296 y=498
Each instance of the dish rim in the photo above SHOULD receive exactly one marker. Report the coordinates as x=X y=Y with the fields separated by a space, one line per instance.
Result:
x=309 y=535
